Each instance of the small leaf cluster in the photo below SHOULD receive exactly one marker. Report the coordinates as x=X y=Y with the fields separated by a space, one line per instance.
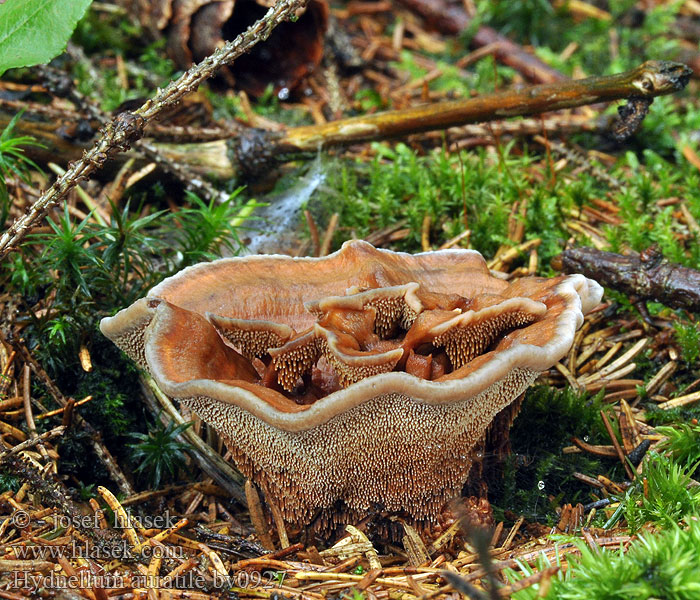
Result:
x=158 y=453
x=9 y=481
x=682 y=443
x=688 y=338
x=34 y=31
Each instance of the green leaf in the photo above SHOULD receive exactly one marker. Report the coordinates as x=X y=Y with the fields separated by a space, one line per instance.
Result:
x=34 y=31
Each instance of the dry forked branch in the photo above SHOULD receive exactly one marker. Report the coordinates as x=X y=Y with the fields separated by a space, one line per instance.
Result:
x=128 y=127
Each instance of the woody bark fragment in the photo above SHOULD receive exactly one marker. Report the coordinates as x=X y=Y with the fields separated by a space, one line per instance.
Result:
x=648 y=276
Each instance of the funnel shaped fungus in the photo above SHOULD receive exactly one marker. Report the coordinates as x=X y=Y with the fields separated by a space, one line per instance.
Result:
x=359 y=381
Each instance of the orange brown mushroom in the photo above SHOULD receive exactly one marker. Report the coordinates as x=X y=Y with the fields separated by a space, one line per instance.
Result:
x=354 y=382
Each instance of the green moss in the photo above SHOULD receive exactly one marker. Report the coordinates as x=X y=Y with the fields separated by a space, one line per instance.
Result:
x=158 y=453
x=688 y=338
x=666 y=499
x=537 y=476
x=656 y=416
x=85 y=270
x=655 y=566
x=401 y=187
x=683 y=443
x=9 y=482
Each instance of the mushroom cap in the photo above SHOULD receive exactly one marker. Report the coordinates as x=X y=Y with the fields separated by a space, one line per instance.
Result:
x=274 y=289
x=390 y=439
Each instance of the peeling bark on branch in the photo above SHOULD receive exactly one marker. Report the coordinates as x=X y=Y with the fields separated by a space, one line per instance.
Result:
x=648 y=276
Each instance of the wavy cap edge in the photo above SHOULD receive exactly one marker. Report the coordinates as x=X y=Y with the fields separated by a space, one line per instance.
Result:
x=581 y=293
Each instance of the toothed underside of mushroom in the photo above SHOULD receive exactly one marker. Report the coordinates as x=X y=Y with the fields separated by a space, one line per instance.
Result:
x=130 y=343
x=251 y=343
x=293 y=362
x=297 y=361
x=352 y=373
x=419 y=456
x=252 y=338
x=463 y=344
x=390 y=313
x=463 y=335
x=128 y=331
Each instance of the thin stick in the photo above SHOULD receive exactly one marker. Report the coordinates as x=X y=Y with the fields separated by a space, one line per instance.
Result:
x=257 y=517
x=328 y=236
x=58 y=411
x=30 y=443
x=425 y=233
x=255 y=151
x=616 y=445
x=651 y=79
x=279 y=522
x=313 y=233
x=680 y=401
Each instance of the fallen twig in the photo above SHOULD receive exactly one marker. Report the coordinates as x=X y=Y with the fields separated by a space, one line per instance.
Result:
x=31 y=442
x=647 y=275
x=257 y=150
x=651 y=79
